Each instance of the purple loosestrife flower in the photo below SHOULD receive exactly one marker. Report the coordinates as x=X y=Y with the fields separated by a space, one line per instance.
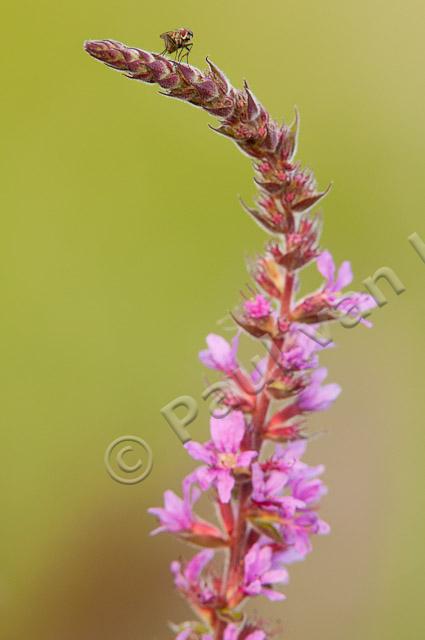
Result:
x=267 y=492
x=316 y=397
x=259 y=307
x=350 y=304
x=297 y=535
x=188 y=578
x=261 y=572
x=266 y=487
x=185 y=578
x=283 y=498
x=301 y=350
x=220 y=355
x=288 y=459
x=222 y=454
x=265 y=501
x=334 y=283
x=308 y=491
x=176 y=516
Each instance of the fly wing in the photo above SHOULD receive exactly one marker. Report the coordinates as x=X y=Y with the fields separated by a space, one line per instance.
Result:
x=170 y=45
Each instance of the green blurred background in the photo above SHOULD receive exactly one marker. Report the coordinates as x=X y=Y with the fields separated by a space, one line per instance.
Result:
x=122 y=243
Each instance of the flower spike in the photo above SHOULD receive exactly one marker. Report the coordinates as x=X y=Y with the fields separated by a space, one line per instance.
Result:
x=266 y=498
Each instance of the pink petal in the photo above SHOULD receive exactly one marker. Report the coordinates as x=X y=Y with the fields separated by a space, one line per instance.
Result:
x=345 y=276
x=227 y=432
x=264 y=559
x=296 y=450
x=225 y=484
x=276 y=482
x=319 y=375
x=275 y=576
x=219 y=349
x=250 y=562
x=172 y=502
x=323 y=528
x=235 y=345
x=274 y=596
x=326 y=266
x=195 y=567
x=231 y=632
x=207 y=359
x=244 y=459
x=199 y=452
x=254 y=588
x=328 y=394
x=256 y=635
x=206 y=477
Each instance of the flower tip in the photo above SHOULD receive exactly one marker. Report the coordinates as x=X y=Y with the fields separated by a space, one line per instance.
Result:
x=88 y=46
x=93 y=48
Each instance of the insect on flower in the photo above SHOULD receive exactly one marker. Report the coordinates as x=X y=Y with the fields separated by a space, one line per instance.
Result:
x=178 y=42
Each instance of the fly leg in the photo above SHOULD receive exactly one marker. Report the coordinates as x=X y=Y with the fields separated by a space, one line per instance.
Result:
x=187 y=48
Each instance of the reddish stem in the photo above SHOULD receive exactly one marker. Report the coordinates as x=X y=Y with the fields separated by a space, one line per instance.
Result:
x=234 y=568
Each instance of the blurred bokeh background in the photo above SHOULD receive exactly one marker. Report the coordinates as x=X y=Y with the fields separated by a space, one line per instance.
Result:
x=122 y=243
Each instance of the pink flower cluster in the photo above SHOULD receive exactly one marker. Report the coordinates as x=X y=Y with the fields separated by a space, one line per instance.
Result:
x=266 y=500
x=266 y=503
x=252 y=468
